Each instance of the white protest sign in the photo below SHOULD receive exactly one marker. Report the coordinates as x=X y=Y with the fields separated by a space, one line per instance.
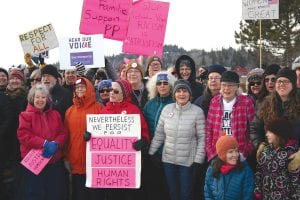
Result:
x=260 y=9
x=87 y=49
x=111 y=162
x=39 y=40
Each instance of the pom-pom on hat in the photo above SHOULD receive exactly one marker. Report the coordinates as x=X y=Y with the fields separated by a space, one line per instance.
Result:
x=126 y=88
x=51 y=70
x=280 y=127
x=255 y=75
x=230 y=76
x=216 y=68
x=289 y=74
x=104 y=83
x=80 y=69
x=182 y=84
x=80 y=81
x=16 y=73
x=224 y=144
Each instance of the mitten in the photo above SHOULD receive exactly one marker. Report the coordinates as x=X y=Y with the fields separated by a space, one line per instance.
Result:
x=87 y=136
x=49 y=148
x=140 y=144
x=295 y=161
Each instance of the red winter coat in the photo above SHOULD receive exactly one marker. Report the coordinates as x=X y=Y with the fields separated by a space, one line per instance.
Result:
x=36 y=126
x=127 y=107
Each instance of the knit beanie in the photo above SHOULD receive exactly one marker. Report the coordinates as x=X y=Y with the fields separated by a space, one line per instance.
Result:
x=51 y=70
x=179 y=84
x=255 y=75
x=280 y=127
x=271 y=69
x=16 y=73
x=4 y=71
x=133 y=64
x=289 y=74
x=150 y=60
x=80 y=69
x=126 y=88
x=230 y=76
x=104 y=83
x=216 y=68
x=224 y=143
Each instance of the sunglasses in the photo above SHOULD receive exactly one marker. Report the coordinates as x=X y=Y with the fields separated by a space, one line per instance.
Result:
x=270 y=79
x=254 y=83
x=162 y=83
x=105 y=90
x=115 y=91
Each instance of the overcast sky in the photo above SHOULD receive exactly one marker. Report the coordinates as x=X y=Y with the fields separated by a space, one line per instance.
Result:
x=192 y=24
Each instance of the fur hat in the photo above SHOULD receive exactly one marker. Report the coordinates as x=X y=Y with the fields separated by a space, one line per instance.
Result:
x=80 y=69
x=289 y=74
x=225 y=143
x=182 y=84
x=230 y=76
x=216 y=68
x=4 y=71
x=16 y=73
x=280 y=127
x=126 y=88
x=255 y=75
x=51 y=70
x=271 y=69
x=103 y=84
x=150 y=60
x=133 y=64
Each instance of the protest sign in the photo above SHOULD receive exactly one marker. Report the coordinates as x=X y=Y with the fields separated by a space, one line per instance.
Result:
x=87 y=49
x=146 y=30
x=34 y=161
x=108 y=17
x=260 y=9
x=39 y=40
x=111 y=162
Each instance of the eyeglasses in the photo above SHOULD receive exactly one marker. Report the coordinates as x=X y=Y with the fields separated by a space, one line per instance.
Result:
x=115 y=91
x=270 y=79
x=134 y=71
x=214 y=78
x=162 y=83
x=283 y=82
x=254 y=83
x=105 y=90
x=35 y=79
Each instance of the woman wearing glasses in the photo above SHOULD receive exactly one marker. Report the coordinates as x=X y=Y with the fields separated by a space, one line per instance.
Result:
x=284 y=102
x=254 y=80
x=103 y=90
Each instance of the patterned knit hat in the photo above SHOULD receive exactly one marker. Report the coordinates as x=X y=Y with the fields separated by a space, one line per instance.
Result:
x=126 y=88
x=104 y=83
x=80 y=69
x=150 y=60
x=225 y=143
x=255 y=75
x=133 y=64
x=16 y=73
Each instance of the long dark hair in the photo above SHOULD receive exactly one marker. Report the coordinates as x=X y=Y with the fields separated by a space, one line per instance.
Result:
x=216 y=164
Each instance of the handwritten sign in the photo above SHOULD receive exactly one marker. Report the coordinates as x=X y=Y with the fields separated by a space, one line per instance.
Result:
x=111 y=162
x=260 y=9
x=108 y=17
x=87 y=49
x=34 y=161
x=39 y=40
x=146 y=30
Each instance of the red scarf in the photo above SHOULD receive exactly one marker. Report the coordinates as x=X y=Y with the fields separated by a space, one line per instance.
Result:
x=226 y=168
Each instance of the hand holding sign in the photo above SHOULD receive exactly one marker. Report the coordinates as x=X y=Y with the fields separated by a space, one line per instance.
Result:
x=50 y=148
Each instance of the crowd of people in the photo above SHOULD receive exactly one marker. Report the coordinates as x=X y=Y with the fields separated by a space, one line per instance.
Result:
x=202 y=137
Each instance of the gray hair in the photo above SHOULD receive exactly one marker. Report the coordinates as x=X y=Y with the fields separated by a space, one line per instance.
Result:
x=151 y=84
x=38 y=88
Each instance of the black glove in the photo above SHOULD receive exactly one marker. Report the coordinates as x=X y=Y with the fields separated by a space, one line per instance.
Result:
x=141 y=145
x=87 y=136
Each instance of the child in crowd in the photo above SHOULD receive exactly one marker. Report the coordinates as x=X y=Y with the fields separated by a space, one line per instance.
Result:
x=228 y=177
x=272 y=178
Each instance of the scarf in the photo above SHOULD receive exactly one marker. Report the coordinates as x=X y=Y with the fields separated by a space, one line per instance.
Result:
x=226 y=168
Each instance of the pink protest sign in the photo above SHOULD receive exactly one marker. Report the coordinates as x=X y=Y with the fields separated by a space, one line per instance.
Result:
x=108 y=17
x=111 y=162
x=34 y=161
x=147 y=27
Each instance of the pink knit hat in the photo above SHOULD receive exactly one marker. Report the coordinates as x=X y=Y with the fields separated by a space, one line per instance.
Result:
x=126 y=87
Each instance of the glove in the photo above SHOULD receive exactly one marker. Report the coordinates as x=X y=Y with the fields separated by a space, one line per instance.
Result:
x=50 y=148
x=86 y=136
x=260 y=149
x=295 y=161
x=140 y=145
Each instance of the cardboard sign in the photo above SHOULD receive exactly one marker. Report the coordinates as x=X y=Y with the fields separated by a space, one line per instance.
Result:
x=34 y=161
x=111 y=162
x=39 y=40
x=87 y=49
x=147 y=27
x=263 y=9
x=108 y=17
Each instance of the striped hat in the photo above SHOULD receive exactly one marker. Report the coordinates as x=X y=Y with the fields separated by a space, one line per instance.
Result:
x=80 y=69
x=126 y=88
